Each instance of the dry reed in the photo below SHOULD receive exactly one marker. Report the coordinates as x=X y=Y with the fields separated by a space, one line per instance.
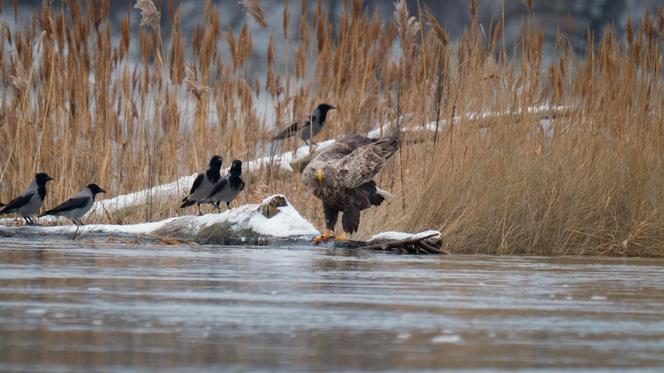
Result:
x=255 y=11
x=587 y=180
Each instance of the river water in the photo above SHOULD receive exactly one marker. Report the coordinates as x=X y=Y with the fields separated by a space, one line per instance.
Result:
x=84 y=306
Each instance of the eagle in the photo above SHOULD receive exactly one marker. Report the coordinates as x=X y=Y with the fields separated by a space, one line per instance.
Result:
x=341 y=176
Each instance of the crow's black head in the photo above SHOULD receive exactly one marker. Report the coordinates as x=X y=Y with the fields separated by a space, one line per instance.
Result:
x=322 y=110
x=236 y=168
x=95 y=189
x=216 y=161
x=42 y=178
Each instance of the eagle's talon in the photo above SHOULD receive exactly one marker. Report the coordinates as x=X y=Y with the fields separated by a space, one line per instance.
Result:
x=327 y=235
x=341 y=237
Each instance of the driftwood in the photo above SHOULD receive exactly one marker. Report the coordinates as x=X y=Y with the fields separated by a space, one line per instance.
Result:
x=420 y=245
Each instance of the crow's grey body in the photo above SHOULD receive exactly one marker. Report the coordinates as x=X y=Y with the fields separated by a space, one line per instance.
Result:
x=204 y=186
x=76 y=206
x=308 y=128
x=27 y=204
x=311 y=128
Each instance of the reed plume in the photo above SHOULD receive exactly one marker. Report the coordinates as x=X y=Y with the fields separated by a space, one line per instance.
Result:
x=255 y=11
x=407 y=26
x=150 y=16
x=20 y=77
x=199 y=91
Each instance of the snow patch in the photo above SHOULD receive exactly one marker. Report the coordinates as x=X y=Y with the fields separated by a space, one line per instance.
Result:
x=397 y=236
x=287 y=223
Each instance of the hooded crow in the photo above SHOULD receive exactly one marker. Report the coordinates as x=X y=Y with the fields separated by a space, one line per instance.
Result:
x=310 y=128
x=204 y=183
x=28 y=203
x=78 y=205
x=228 y=187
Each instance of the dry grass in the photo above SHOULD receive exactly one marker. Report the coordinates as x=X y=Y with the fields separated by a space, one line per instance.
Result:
x=74 y=104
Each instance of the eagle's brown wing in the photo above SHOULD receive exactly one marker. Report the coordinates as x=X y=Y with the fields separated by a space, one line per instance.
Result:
x=343 y=147
x=361 y=165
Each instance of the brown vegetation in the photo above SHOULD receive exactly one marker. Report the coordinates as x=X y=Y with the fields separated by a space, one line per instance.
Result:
x=73 y=103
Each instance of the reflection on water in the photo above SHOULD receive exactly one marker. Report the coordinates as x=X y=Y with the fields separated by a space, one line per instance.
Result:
x=109 y=307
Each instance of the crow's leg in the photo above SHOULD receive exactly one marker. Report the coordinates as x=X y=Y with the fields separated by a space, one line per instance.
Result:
x=75 y=232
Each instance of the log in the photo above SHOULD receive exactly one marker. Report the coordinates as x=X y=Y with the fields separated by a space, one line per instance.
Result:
x=407 y=246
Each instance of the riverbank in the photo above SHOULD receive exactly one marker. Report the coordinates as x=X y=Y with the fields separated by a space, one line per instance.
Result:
x=273 y=222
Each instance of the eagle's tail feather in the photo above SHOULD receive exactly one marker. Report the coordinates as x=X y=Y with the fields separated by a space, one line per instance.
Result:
x=384 y=193
x=376 y=199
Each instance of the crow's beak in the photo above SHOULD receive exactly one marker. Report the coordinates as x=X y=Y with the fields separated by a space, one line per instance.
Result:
x=101 y=190
x=49 y=179
x=319 y=175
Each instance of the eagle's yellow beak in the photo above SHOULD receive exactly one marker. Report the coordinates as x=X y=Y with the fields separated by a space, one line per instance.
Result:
x=319 y=175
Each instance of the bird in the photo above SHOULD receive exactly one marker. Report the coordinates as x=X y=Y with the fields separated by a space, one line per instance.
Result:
x=204 y=183
x=228 y=187
x=30 y=201
x=341 y=176
x=76 y=206
x=311 y=126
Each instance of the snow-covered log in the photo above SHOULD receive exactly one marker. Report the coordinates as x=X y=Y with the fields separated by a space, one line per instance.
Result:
x=274 y=219
x=429 y=242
